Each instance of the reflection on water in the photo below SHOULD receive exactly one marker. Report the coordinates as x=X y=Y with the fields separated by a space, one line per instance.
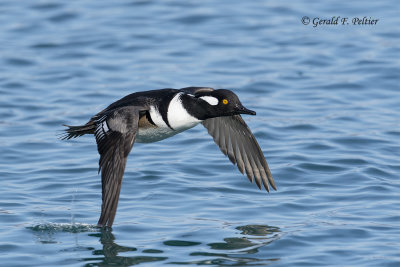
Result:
x=236 y=250
x=108 y=255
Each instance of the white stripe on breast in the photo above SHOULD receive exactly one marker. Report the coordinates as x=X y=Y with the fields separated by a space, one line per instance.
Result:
x=178 y=117
x=157 y=118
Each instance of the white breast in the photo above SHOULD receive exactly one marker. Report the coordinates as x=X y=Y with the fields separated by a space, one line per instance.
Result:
x=153 y=134
x=178 y=117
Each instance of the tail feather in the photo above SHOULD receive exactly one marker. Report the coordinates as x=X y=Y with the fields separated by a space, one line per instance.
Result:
x=76 y=131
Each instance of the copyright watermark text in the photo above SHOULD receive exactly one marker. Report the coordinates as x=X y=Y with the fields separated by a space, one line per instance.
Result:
x=316 y=21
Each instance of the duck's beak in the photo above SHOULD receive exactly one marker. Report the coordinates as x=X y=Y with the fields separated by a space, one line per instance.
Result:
x=242 y=110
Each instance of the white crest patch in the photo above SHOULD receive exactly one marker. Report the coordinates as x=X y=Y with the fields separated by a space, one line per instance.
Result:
x=178 y=117
x=210 y=100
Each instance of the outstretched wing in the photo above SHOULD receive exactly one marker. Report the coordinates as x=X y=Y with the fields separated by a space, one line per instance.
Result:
x=236 y=141
x=115 y=134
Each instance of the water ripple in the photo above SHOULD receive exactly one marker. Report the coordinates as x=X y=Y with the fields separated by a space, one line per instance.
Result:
x=327 y=120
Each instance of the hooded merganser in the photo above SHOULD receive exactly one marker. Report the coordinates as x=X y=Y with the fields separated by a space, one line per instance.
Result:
x=151 y=116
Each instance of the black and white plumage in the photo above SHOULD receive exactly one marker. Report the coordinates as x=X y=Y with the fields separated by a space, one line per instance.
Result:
x=151 y=116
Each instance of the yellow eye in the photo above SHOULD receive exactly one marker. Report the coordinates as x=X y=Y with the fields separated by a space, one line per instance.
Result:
x=224 y=101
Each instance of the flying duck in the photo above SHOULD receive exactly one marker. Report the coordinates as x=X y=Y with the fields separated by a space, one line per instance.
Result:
x=151 y=116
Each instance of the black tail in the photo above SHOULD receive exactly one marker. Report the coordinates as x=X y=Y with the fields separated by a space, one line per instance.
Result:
x=76 y=131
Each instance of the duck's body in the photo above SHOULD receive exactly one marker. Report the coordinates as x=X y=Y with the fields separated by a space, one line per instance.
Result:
x=151 y=116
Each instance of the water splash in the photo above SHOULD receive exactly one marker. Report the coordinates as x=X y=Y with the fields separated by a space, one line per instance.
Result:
x=64 y=227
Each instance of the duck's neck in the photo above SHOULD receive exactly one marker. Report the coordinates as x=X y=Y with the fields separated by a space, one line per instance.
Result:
x=196 y=107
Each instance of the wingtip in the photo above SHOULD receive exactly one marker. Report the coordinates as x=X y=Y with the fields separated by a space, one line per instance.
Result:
x=258 y=182
x=272 y=182
x=266 y=187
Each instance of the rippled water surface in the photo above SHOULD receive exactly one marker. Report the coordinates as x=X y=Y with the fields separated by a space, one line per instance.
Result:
x=327 y=101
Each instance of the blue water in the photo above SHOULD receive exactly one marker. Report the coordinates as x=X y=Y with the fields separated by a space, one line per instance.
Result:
x=327 y=101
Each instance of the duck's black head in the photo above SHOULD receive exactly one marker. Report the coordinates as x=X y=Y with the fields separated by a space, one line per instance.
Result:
x=222 y=102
